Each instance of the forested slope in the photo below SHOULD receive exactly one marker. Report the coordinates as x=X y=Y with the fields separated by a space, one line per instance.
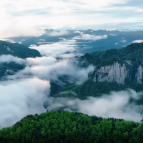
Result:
x=115 y=70
x=68 y=127
x=17 y=50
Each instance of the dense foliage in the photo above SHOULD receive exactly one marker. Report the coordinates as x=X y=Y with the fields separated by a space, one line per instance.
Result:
x=68 y=127
x=133 y=53
x=90 y=88
x=95 y=89
x=18 y=50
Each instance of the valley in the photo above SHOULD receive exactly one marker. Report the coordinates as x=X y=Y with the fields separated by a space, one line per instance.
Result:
x=95 y=89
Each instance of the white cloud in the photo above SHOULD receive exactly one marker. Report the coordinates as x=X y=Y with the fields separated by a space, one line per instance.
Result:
x=140 y=10
x=137 y=41
x=116 y=105
x=48 y=69
x=56 y=49
x=41 y=61
x=10 y=58
x=103 y=3
x=8 y=40
x=21 y=98
x=91 y=37
x=111 y=29
x=123 y=41
x=65 y=67
x=55 y=33
x=19 y=18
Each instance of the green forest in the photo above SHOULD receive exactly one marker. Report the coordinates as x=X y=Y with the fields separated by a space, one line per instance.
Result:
x=69 y=127
x=89 y=88
x=18 y=50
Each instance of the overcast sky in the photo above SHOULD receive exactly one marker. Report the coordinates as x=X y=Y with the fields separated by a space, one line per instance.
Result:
x=29 y=17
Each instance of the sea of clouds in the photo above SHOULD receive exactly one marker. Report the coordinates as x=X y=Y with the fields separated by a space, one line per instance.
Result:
x=25 y=92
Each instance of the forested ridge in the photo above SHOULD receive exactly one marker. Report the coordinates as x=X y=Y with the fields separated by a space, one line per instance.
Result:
x=18 y=50
x=89 y=88
x=131 y=56
x=69 y=127
x=132 y=52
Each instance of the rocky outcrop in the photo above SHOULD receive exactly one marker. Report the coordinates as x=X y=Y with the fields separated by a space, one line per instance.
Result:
x=139 y=75
x=119 y=73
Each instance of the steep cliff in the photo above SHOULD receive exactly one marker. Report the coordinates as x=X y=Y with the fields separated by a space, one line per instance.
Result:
x=115 y=70
x=121 y=66
x=119 y=73
x=111 y=73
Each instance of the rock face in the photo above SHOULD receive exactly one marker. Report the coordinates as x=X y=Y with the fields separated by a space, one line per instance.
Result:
x=111 y=73
x=123 y=66
x=119 y=73
x=139 y=74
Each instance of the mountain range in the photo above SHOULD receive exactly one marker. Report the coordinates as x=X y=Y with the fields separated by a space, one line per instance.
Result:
x=87 y=41
x=114 y=70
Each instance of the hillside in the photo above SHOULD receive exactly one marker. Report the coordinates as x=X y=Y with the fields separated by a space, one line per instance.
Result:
x=121 y=66
x=133 y=53
x=115 y=70
x=68 y=127
x=18 y=50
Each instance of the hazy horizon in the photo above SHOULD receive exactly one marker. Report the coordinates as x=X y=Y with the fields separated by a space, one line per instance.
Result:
x=27 y=18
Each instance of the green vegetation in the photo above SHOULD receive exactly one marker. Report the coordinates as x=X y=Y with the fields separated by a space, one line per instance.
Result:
x=131 y=56
x=10 y=68
x=90 y=88
x=133 y=52
x=94 y=89
x=18 y=50
x=68 y=127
